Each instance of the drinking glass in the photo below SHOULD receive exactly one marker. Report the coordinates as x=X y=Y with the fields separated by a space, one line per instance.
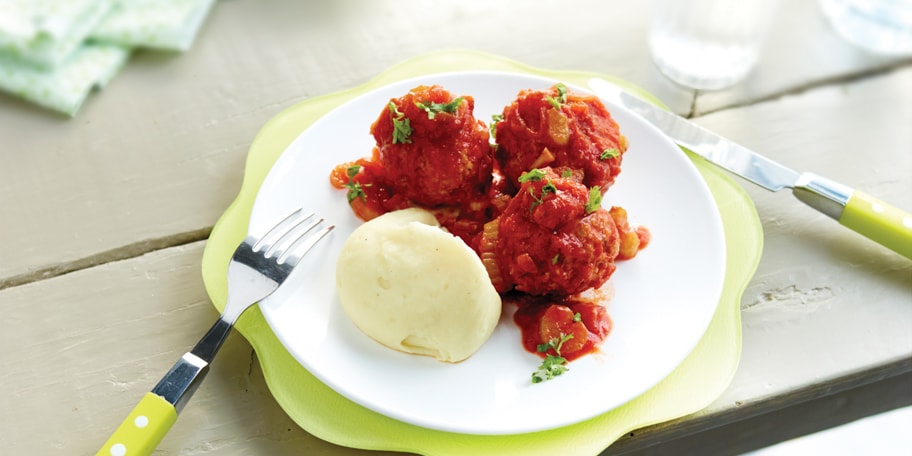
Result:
x=882 y=26
x=709 y=44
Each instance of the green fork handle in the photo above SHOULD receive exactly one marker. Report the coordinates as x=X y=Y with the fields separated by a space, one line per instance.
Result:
x=146 y=426
x=143 y=428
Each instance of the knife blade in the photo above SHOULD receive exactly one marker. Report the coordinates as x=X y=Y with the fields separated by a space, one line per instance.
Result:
x=854 y=209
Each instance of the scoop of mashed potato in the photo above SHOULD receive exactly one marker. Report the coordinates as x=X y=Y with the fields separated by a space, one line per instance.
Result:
x=414 y=287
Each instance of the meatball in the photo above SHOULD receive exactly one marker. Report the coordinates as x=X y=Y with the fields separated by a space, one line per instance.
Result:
x=554 y=238
x=433 y=149
x=558 y=128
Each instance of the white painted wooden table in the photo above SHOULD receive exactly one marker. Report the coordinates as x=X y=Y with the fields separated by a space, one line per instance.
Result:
x=103 y=217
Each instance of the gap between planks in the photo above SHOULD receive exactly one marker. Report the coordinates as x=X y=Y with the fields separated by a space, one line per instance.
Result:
x=125 y=252
x=890 y=376
x=802 y=88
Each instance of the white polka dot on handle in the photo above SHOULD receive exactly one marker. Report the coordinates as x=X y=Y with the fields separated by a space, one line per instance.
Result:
x=907 y=222
x=877 y=208
x=141 y=421
x=118 y=449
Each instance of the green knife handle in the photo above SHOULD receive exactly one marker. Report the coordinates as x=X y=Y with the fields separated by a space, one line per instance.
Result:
x=879 y=221
x=858 y=211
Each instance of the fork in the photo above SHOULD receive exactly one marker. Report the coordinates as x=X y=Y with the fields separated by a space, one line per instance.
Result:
x=259 y=265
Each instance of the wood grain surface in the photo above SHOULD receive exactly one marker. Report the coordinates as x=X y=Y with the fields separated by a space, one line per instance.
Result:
x=104 y=216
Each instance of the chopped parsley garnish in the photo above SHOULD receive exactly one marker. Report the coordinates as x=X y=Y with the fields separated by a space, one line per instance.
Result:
x=552 y=365
x=402 y=128
x=555 y=258
x=534 y=175
x=609 y=153
x=355 y=190
x=561 y=96
x=433 y=109
x=548 y=188
x=577 y=317
x=567 y=173
x=595 y=200
x=495 y=119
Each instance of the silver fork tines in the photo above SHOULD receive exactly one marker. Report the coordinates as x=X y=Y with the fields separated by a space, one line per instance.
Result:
x=259 y=265
x=280 y=230
x=302 y=244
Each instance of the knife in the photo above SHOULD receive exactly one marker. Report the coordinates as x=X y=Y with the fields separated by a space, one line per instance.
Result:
x=856 y=210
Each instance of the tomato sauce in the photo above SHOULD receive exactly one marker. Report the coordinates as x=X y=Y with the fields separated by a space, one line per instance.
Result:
x=541 y=320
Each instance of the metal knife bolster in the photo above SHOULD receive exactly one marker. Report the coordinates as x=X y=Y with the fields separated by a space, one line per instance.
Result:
x=825 y=195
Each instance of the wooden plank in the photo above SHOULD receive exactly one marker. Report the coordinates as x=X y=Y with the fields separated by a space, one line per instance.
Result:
x=160 y=152
x=827 y=309
x=827 y=312
x=81 y=349
x=151 y=162
x=775 y=425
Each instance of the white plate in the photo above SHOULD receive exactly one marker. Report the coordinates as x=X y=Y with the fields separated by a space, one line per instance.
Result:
x=664 y=298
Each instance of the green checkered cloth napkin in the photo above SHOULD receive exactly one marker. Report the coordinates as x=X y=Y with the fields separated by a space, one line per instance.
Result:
x=158 y=24
x=45 y=33
x=64 y=88
x=54 y=52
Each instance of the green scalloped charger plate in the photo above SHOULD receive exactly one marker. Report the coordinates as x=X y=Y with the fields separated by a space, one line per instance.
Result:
x=704 y=374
